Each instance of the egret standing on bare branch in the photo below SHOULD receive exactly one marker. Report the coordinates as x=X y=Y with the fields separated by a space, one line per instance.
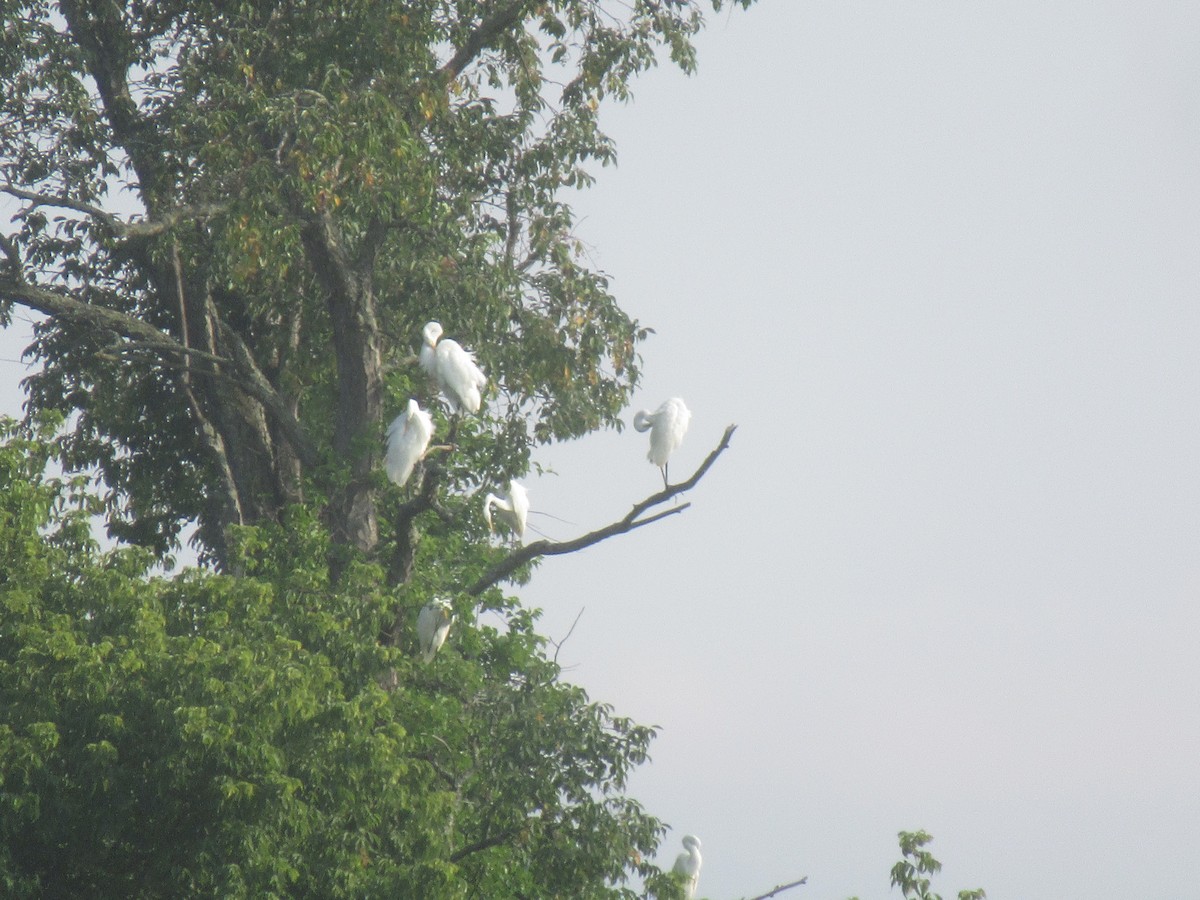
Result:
x=667 y=426
x=514 y=509
x=433 y=624
x=407 y=440
x=687 y=865
x=457 y=375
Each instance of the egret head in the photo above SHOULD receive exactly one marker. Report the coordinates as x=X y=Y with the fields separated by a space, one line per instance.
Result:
x=488 y=502
x=691 y=842
x=642 y=420
x=431 y=332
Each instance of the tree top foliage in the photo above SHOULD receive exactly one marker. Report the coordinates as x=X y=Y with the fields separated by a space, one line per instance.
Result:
x=235 y=219
x=238 y=217
x=212 y=735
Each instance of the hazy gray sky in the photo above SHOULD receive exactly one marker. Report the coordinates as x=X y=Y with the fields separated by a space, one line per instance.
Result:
x=940 y=262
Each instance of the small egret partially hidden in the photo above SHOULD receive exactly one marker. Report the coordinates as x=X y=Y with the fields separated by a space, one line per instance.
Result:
x=433 y=624
x=457 y=375
x=407 y=440
x=667 y=426
x=513 y=509
x=687 y=865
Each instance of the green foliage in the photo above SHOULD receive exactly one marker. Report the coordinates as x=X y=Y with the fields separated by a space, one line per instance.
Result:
x=912 y=873
x=236 y=218
x=436 y=180
x=210 y=735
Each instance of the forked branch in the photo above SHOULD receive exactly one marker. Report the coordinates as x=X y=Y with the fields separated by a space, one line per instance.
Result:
x=635 y=518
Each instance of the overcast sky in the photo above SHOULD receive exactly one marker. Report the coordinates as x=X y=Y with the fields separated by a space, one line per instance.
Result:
x=940 y=262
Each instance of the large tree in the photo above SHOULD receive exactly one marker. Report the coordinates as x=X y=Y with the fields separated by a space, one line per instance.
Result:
x=235 y=218
x=238 y=216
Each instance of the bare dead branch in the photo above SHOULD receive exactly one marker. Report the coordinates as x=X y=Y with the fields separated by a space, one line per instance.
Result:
x=780 y=888
x=558 y=645
x=632 y=520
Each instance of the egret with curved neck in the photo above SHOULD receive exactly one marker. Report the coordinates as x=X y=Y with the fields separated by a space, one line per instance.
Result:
x=667 y=426
x=513 y=509
x=455 y=371
x=687 y=865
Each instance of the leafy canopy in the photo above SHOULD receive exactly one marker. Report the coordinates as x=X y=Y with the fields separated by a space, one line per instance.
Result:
x=235 y=218
x=210 y=735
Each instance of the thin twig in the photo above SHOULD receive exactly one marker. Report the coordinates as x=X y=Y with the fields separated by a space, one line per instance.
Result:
x=780 y=888
x=558 y=645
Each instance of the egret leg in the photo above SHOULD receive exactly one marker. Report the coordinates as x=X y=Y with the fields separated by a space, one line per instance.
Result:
x=663 y=469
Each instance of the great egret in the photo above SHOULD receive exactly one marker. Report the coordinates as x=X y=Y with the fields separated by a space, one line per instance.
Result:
x=457 y=375
x=667 y=426
x=514 y=509
x=407 y=440
x=433 y=624
x=687 y=864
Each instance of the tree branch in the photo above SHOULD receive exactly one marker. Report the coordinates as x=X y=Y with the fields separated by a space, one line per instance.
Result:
x=482 y=37
x=255 y=384
x=251 y=380
x=39 y=199
x=14 y=258
x=631 y=521
x=350 y=299
x=136 y=230
x=209 y=435
x=558 y=645
x=493 y=841
x=780 y=888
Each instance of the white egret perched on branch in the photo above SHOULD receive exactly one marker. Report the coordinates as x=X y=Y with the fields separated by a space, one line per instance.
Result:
x=687 y=864
x=433 y=624
x=667 y=426
x=407 y=440
x=457 y=375
x=514 y=509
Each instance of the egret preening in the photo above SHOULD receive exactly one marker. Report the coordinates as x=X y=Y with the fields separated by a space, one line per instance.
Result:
x=687 y=864
x=453 y=368
x=514 y=509
x=433 y=624
x=667 y=426
x=407 y=440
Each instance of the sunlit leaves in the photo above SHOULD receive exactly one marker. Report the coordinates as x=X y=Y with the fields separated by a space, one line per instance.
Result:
x=232 y=736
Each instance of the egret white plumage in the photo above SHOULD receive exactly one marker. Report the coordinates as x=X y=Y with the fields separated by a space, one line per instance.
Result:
x=667 y=426
x=687 y=864
x=454 y=369
x=433 y=624
x=514 y=509
x=407 y=440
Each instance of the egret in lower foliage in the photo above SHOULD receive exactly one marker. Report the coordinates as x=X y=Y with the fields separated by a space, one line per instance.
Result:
x=687 y=865
x=513 y=509
x=667 y=426
x=454 y=369
x=433 y=624
x=407 y=440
